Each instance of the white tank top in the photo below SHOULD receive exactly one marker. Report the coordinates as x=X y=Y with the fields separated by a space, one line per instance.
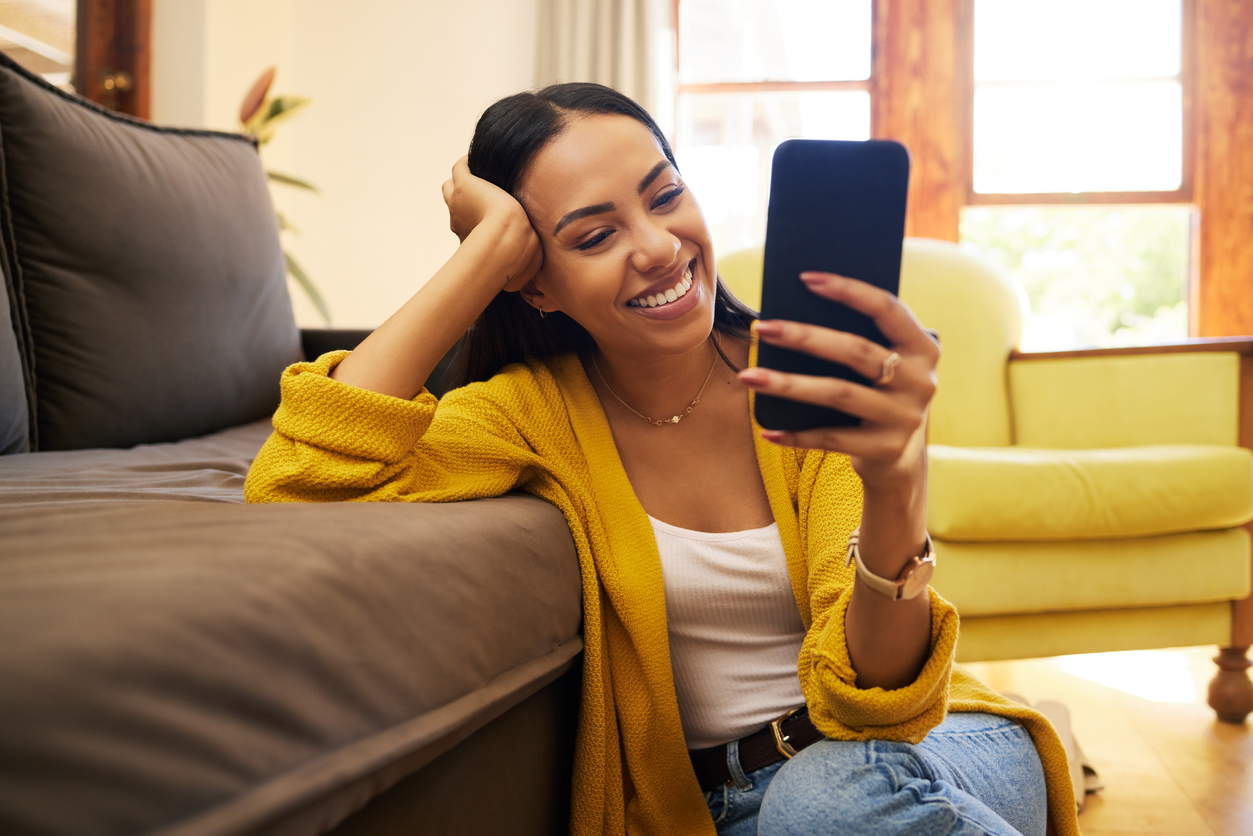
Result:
x=735 y=631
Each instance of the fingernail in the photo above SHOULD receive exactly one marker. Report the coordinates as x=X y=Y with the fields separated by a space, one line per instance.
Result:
x=772 y=435
x=769 y=328
x=814 y=278
x=754 y=377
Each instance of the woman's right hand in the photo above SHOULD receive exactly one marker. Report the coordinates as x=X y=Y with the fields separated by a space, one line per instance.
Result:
x=474 y=202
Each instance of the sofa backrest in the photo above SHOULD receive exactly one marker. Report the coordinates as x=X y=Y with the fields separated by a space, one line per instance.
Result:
x=14 y=415
x=977 y=311
x=149 y=290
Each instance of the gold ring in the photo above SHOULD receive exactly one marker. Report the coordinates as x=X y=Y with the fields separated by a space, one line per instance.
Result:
x=889 y=369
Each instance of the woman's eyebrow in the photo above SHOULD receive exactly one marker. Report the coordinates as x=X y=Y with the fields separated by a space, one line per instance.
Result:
x=571 y=217
x=577 y=214
x=652 y=175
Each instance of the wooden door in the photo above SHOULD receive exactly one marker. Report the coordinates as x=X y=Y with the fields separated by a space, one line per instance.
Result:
x=112 y=54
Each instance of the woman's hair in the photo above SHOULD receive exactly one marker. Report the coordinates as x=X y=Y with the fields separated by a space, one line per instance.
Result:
x=506 y=139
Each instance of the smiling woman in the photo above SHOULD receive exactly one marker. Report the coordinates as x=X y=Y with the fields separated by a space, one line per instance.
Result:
x=509 y=329
x=738 y=673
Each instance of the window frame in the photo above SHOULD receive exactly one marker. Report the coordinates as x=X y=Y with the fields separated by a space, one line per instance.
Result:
x=1187 y=82
x=868 y=85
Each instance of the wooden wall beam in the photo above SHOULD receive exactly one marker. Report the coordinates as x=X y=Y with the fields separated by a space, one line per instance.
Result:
x=919 y=100
x=1224 y=167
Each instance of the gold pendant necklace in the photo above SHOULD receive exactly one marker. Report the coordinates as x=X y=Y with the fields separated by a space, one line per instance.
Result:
x=660 y=422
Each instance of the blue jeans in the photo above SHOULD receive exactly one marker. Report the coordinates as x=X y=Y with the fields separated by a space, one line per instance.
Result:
x=973 y=774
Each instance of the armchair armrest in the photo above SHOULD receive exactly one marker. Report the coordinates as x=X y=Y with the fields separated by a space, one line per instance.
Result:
x=1194 y=392
x=1240 y=345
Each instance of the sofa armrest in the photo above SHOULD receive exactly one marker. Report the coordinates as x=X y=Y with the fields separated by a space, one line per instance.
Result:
x=317 y=341
x=1193 y=392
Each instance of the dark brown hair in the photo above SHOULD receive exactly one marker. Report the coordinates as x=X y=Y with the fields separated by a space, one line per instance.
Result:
x=507 y=137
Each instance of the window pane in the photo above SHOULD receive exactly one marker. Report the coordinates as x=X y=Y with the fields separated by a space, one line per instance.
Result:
x=1095 y=275
x=1072 y=138
x=1076 y=39
x=725 y=143
x=773 y=40
x=39 y=35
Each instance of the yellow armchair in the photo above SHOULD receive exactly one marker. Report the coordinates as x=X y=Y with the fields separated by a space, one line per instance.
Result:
x=1080 y=501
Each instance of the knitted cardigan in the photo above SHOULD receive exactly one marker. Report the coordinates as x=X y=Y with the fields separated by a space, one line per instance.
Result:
x=540 y=428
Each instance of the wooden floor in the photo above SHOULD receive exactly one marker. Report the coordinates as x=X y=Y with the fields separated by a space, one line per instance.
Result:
x=1168 y=765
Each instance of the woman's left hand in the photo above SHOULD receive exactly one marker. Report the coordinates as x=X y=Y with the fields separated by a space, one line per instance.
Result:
x=889 y=447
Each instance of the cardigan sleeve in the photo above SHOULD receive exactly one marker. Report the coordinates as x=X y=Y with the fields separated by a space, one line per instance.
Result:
x=830 y=504
x=333 y=442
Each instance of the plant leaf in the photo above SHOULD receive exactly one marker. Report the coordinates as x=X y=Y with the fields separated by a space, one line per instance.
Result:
x=281 y=108
x=288 y=180
x=297 y=272
x=256 y=96
x=284 y=225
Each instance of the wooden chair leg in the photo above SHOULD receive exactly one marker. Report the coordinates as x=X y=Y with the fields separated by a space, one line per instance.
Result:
x=1231 y=690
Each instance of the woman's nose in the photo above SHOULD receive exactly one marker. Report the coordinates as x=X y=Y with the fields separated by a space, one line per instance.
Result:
x=656 y=246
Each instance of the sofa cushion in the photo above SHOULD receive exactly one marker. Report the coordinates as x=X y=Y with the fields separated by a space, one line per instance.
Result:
x=213 y=668
x=1016 y=493
x=208 y=469
x=148 y=265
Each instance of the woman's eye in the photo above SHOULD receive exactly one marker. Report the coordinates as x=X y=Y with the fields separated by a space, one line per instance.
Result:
x=668 y=197
x=594 y=240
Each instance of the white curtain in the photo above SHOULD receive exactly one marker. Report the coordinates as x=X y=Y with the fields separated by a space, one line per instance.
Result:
x=624 y=44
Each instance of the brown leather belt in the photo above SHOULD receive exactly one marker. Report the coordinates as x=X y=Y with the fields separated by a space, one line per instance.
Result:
x=782 y=739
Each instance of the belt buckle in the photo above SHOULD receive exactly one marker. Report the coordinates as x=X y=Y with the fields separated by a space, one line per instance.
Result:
x=781 y=739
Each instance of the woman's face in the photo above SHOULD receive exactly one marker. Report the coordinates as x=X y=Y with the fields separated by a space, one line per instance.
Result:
x=619 y=226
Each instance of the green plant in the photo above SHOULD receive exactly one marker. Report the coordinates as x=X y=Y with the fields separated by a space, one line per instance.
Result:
x=259 y=115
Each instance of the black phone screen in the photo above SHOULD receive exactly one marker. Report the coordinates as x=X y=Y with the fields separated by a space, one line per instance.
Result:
x=835 y=207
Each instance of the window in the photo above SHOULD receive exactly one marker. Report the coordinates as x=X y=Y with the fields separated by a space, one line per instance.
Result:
x=1079 y=170
x=39 y=35
x=753 y=73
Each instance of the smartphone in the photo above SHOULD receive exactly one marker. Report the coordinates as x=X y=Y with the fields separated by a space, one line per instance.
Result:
x=835 y=207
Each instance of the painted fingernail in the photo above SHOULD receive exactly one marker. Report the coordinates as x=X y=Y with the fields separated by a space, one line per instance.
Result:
x=754 y=377
x=769 y=328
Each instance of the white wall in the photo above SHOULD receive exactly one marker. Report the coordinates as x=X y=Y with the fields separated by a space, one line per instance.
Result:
x=396 y=86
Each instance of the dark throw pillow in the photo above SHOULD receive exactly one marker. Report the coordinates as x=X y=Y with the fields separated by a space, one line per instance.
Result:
x=147 y=264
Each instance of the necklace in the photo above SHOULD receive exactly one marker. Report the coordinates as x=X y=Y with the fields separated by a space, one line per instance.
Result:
x=659 y=422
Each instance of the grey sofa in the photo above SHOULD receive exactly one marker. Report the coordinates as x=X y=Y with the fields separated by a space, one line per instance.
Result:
x=173 y=661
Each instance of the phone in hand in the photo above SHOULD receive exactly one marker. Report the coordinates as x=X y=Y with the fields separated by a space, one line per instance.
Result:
x=835 y=207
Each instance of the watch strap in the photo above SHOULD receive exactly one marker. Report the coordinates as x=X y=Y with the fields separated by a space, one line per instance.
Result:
x=883 y=586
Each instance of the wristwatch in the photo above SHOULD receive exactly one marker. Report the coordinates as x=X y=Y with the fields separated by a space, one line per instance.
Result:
x=910 y=583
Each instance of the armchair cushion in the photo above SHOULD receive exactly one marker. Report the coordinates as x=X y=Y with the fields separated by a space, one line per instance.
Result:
x=993 y=579
x=1020 y=494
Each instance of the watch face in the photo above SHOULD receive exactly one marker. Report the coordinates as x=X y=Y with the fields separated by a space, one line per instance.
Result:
x=919 y=576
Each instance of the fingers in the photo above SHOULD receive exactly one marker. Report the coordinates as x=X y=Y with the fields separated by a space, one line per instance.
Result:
x=856 y=442
x=874 y=405
x=859 y=354
x=894 y=319
x=461 y=168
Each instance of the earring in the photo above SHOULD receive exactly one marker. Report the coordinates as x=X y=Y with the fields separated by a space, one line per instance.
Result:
x=542 y=315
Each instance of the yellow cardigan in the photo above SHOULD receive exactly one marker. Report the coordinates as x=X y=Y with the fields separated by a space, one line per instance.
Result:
x=540 y=428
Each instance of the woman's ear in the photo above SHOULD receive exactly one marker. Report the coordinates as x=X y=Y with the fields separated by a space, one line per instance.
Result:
x=533 y=294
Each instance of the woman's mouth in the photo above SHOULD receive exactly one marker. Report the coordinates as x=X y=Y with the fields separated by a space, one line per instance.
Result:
x=668 y=297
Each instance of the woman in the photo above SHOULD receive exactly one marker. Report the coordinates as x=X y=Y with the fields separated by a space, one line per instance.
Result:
x=611 y=374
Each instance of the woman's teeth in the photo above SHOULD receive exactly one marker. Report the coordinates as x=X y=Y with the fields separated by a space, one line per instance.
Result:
x=677 y=292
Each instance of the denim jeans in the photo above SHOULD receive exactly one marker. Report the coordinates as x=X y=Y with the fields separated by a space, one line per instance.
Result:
x=973 y=774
